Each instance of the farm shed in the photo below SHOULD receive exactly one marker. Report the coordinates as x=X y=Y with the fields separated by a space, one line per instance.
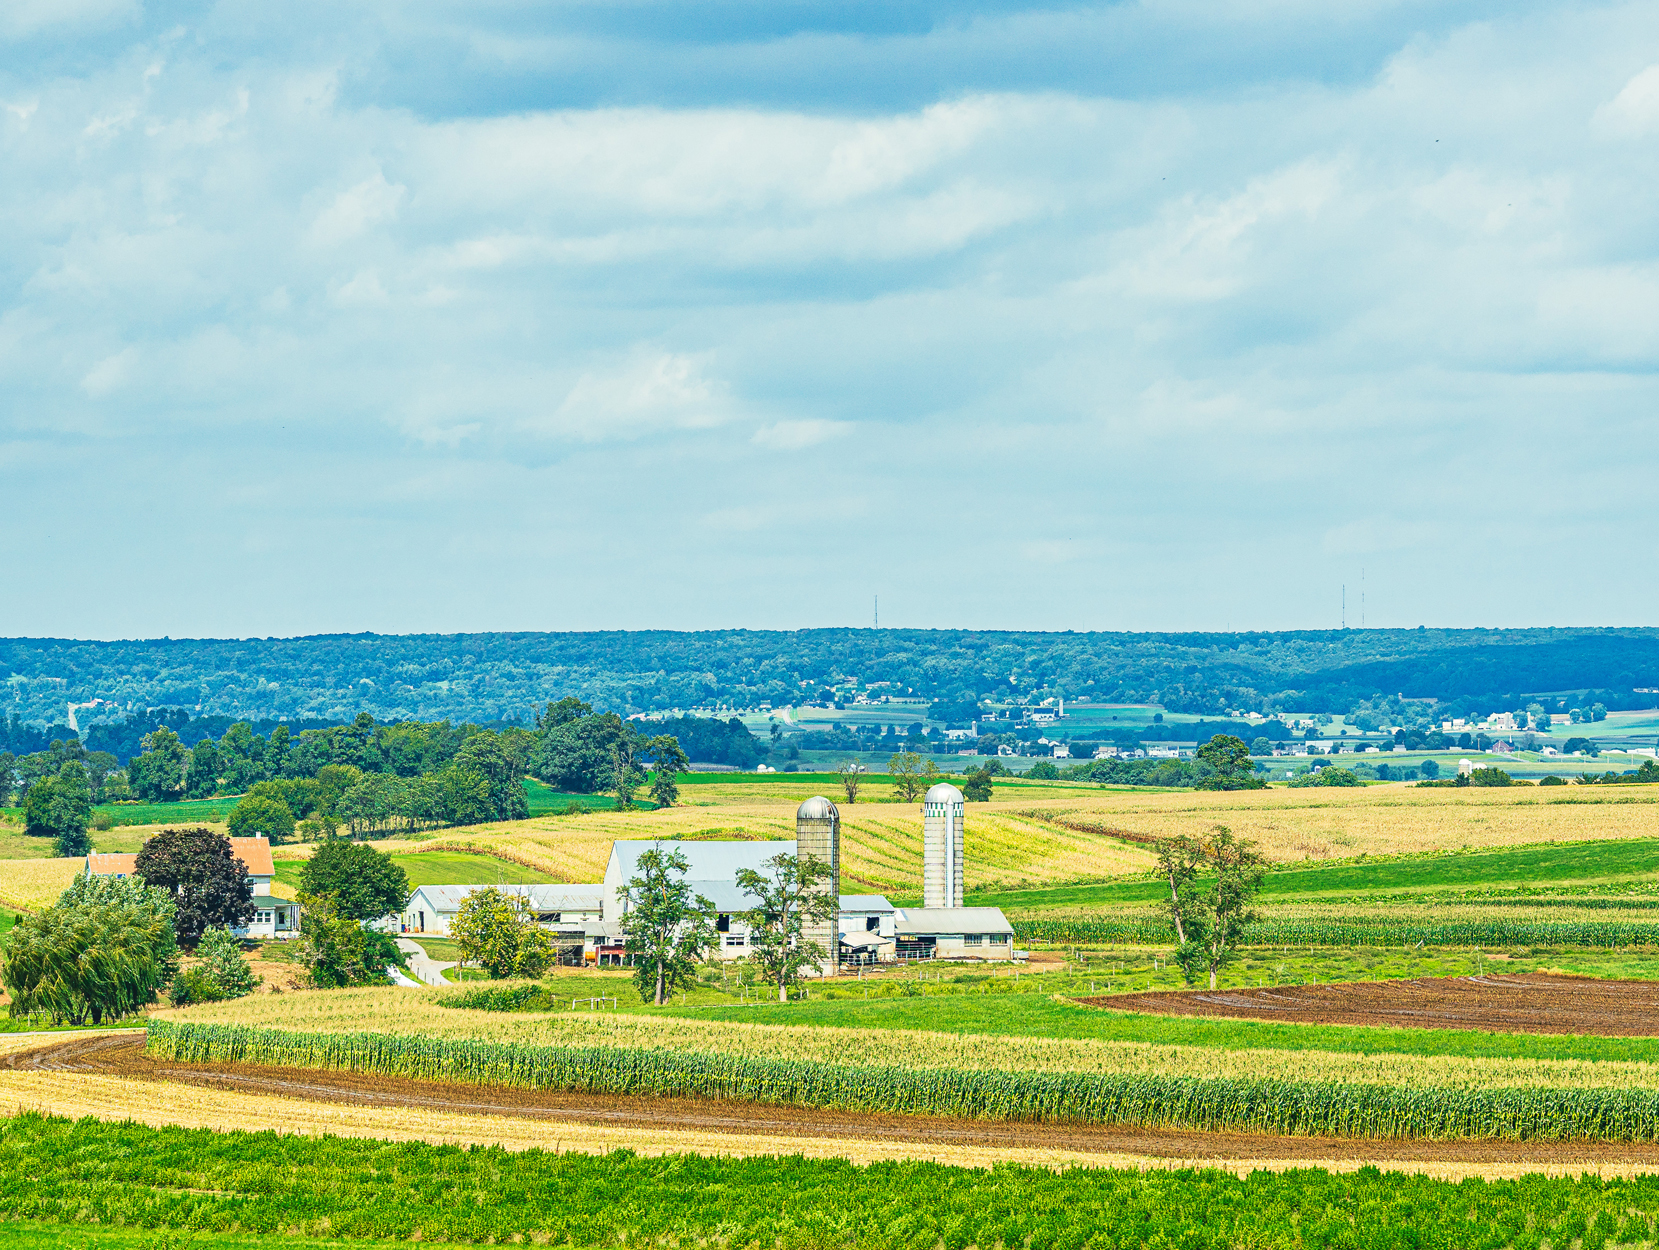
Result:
x=952 y=933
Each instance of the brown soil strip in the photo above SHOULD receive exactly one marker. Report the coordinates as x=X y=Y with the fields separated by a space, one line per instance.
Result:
x=1527 y=1003
x=123 y=1056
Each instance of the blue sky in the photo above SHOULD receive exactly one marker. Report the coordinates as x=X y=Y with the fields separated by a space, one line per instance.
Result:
x=455 y=316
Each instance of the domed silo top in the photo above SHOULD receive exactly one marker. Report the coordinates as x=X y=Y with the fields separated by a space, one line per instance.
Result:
x=944 y=792
x=816 y=808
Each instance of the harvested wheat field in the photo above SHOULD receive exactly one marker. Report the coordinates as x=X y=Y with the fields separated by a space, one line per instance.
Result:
x=1528 y=1003
x=109 y=1076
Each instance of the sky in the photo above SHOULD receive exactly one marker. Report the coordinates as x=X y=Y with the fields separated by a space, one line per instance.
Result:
x=444 y=316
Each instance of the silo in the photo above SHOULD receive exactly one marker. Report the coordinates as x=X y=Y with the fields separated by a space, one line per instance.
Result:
x=942 y=847
x=818 y=834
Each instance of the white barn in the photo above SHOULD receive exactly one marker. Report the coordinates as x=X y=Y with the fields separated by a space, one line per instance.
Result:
x=563 y=908
x=711 y=871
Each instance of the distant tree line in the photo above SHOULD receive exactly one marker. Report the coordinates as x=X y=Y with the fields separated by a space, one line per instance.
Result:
x=488 y=678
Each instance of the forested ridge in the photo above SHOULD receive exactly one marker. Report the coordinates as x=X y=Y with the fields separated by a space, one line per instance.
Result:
x=504 y=676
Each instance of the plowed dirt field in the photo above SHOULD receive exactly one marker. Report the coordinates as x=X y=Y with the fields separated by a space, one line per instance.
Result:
x=123 y=1056
x=1528 y=1003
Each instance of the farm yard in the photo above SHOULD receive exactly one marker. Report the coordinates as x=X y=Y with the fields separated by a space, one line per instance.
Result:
x=1447 y=994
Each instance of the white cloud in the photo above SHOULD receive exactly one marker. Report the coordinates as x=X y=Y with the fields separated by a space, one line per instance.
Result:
x=646 y=393
x=799 y=435
x=362 y=290
x=1634 y=112
x=19 y=18
x=370 y=203
x=110 y=374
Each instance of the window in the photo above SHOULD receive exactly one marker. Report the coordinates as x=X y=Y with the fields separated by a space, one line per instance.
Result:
x=262 y=917
x=872 y=923
x=734 y=939
x=973 y=939
x=1001 y=939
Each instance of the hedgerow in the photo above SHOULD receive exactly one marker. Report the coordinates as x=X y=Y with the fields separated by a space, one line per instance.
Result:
x=1262 y=1104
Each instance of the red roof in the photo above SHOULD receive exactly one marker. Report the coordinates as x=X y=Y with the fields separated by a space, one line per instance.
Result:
x=255 y=853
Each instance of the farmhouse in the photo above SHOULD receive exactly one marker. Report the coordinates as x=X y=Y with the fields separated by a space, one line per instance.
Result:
x=273 y=917
x=711 y=871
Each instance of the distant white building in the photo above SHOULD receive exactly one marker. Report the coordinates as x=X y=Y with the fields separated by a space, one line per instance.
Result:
x=1464 y=768
x=953 y=933
x=1061 y=751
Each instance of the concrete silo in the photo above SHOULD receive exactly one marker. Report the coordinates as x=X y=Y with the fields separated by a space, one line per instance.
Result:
x=818 y=834
x=942 y=847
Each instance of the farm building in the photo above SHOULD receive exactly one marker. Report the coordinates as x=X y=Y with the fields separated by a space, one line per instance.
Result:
x=952 y=933
x=273 y=917
x=866 y=928
x=565 y=909
x=711 y=871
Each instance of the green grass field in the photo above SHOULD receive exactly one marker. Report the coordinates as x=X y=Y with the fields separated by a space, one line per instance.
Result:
x=438 y=868
x=1542 y=864
x=545 y=801
x=196 y=811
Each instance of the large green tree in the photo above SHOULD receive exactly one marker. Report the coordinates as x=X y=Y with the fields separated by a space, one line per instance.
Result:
x=337 y=950
x=260 y=815
x=787 y=895
x=159 y=773
x=60 y=808
x=667 y=762
x=579 y=755
x=102 y=951
x=667 y=928
x=201 y=873
x=364 y=883
x=1209 y=922
x=497 y=931
x=1229 y=760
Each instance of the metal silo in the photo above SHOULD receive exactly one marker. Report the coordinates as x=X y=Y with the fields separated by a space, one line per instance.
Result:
x=942 y=847
x=818 y=834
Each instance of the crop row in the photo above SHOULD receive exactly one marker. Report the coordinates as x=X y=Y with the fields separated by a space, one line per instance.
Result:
x=1139 y=1099
x=127 y=1175
x=1342 y=931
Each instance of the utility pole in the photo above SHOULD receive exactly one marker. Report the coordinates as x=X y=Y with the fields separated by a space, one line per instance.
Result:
x=1344 y=605
x=875 y=618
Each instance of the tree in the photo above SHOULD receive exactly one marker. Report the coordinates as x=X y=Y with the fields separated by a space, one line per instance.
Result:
x=578 y=754
x=626 y=774
x=905 y=767
x=667 y=929
x=1238 y=871
x=1490 y=777
x=60 y=807
x=1230 y=759
x=102 y=951
x=208 y=884
x=667 y=762
x=1043 y=770
x=1598 y=712
x=222 y=961
x=259 y=814
x=364 y=884
x=499 y=933
x=563 y=712
x=1429 y=769
x=159 y=773
x=789 y=897
x=336 y=950
x=484 y=754
x=851 y=773
x=976 y=785
x=1261 y=746
x=1209 y=923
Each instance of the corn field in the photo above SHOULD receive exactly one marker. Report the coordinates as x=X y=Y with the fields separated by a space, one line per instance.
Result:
x=1342 y=931
x=1137 y=1100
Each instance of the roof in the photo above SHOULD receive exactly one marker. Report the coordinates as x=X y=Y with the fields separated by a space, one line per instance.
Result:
x=942 y=792
x=546 y=897
x=255 y=853
x=816 y=808
x=711 y=867
x=951 y=920
x=865 y=902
